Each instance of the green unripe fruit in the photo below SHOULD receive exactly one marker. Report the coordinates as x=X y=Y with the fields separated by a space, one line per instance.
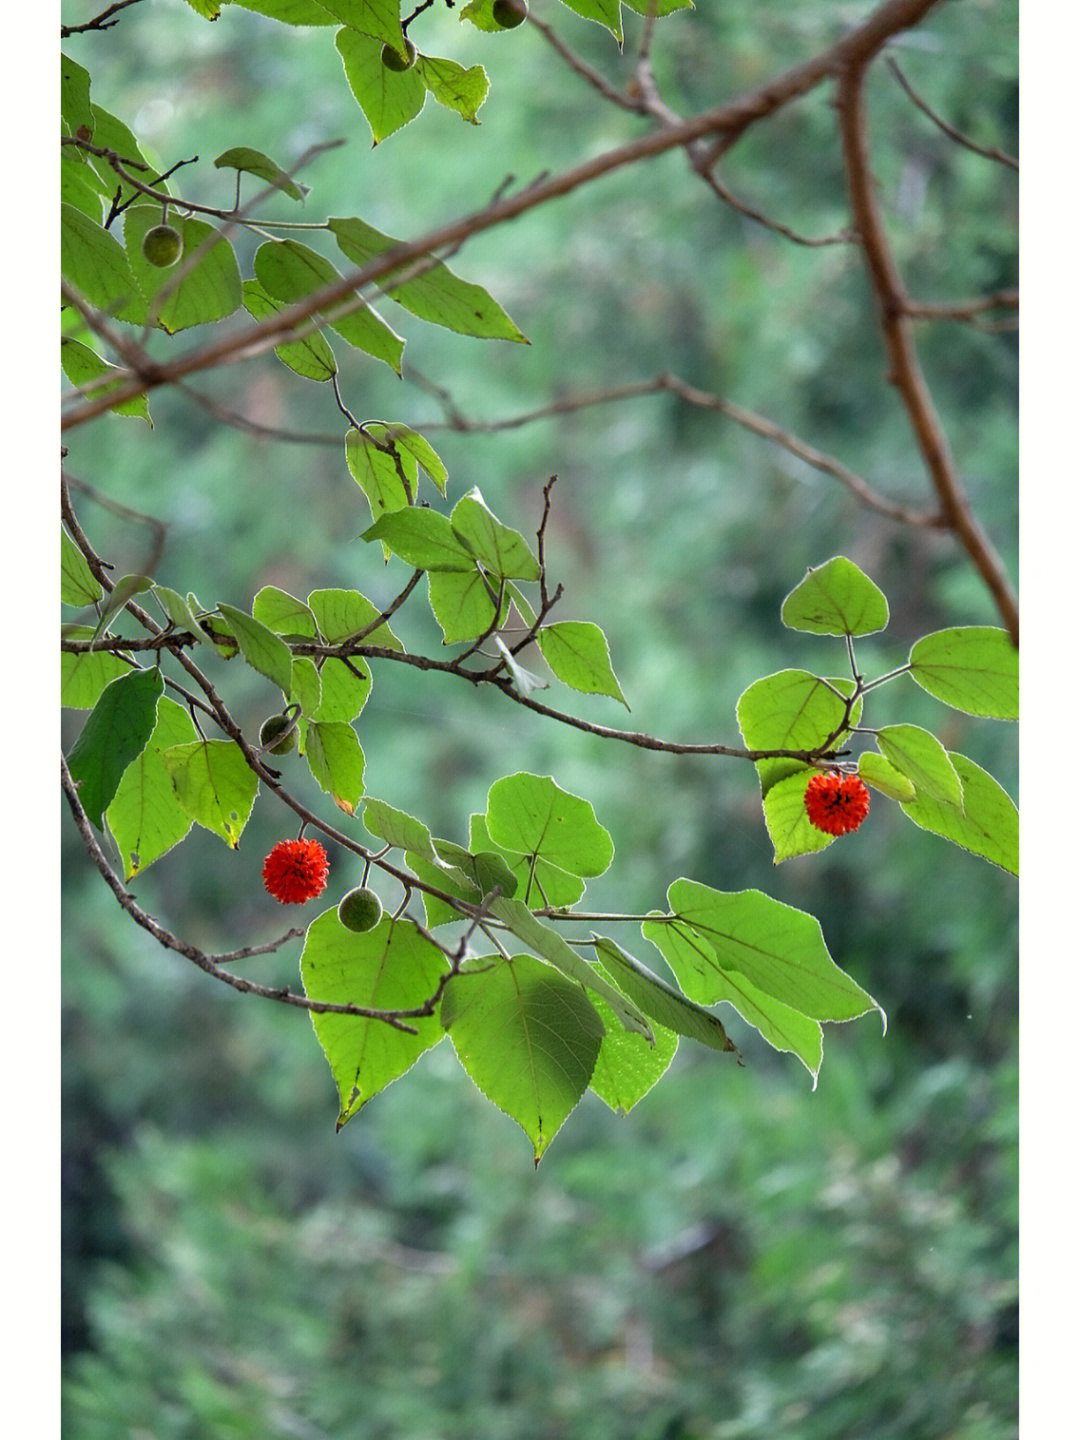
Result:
x=394 y=60
x=273 y=728
x=162 y=246
x=360 y=910
x=508 y=14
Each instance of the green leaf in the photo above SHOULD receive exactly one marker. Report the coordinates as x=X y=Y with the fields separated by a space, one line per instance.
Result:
x=399 y=830
x=437 y=911
x=786 y=820
x=125 y=589
x=214 y=784
x=75 y=96
x=306 y=688
x=389 y=968
x=988 y=825
x=658 y=7
x=577 y=652
x=80 y=186
x=502 y=551
x=422 y=538
x=77 y=583
x=208 y=9
x=973 y=668
x=779 y=949
x=337 y=762
x=310 y=357
x=693 y=961
x=85 y=674
x=604 y=12
x=81 y=364
x=627 y=1066
x=791 y=710
x=210 y=290
x=414 y=444
x=924 y=760
x=178 y=610
x=836 y=599
x=145 y=817
x=111 y=133
x=527 y=1038
x=254 y=162
x=549 y=944
x=453 y=86
x=462 y=604
x=96 y=265
x=385 y=478
x=539 y=882
x=115 y=732
x=283 y=613
x=657 y=999
x=341 y=614
x=437 y=296
x=388 y=98
x=484 y=871
x=876 y=771
x=377 y=18
x=289 y=271
x=531 y=815
x=344 y=691
x=290 y=12
x=260 y=647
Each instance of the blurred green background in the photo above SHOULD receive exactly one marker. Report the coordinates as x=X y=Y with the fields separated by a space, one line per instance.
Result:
x=740 y=1257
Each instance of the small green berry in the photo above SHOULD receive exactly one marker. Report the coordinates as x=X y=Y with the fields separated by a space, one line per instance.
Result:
x=394 y=60
x=273 y=728
x=162 y=246
x=508 y=14
x=360 y=910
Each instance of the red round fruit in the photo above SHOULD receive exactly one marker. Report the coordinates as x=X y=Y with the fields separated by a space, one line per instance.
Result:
x=836 y=803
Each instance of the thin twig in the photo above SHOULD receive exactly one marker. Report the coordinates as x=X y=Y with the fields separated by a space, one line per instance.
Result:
x=99 y=22
x=988 y=152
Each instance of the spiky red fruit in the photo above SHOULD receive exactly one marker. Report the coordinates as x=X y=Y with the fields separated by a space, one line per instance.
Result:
x=295 y=871
x=836 y=803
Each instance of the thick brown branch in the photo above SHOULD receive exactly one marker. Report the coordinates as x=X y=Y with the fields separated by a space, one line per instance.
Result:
x=905 y=371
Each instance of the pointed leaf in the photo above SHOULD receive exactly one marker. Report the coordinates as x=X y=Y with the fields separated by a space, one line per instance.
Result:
x=388 y=98
x=81 y=364
x=389 y=968
x=502 y=551
x=310 y=357
x=604 y=12
x=779 y=949
x=692 y=960
x=178 y=610
x=77 y=583
x=337 y=761
x=125 y=589
x=377 y=18
x=791 y=710
x=836 y=599
x=260 y=647
x=437 y=296
x=385 y=478
x=116 y=731
x=214 y=784
x=578 y=654
x=414 y=444
x=145 y=817
x=973 y=668
x=454 y=86
x=988 y=825
x=463 y=604
x=527 y=1038
x=924 y=760
x=786 y=819
x=345 y=691
x=254 y=162
x=657 y=999
x=283 y=613
x=289 y=271
x=290 y=12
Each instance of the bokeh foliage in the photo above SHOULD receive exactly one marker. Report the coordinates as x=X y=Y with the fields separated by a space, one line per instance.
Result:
x=737 y=1257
